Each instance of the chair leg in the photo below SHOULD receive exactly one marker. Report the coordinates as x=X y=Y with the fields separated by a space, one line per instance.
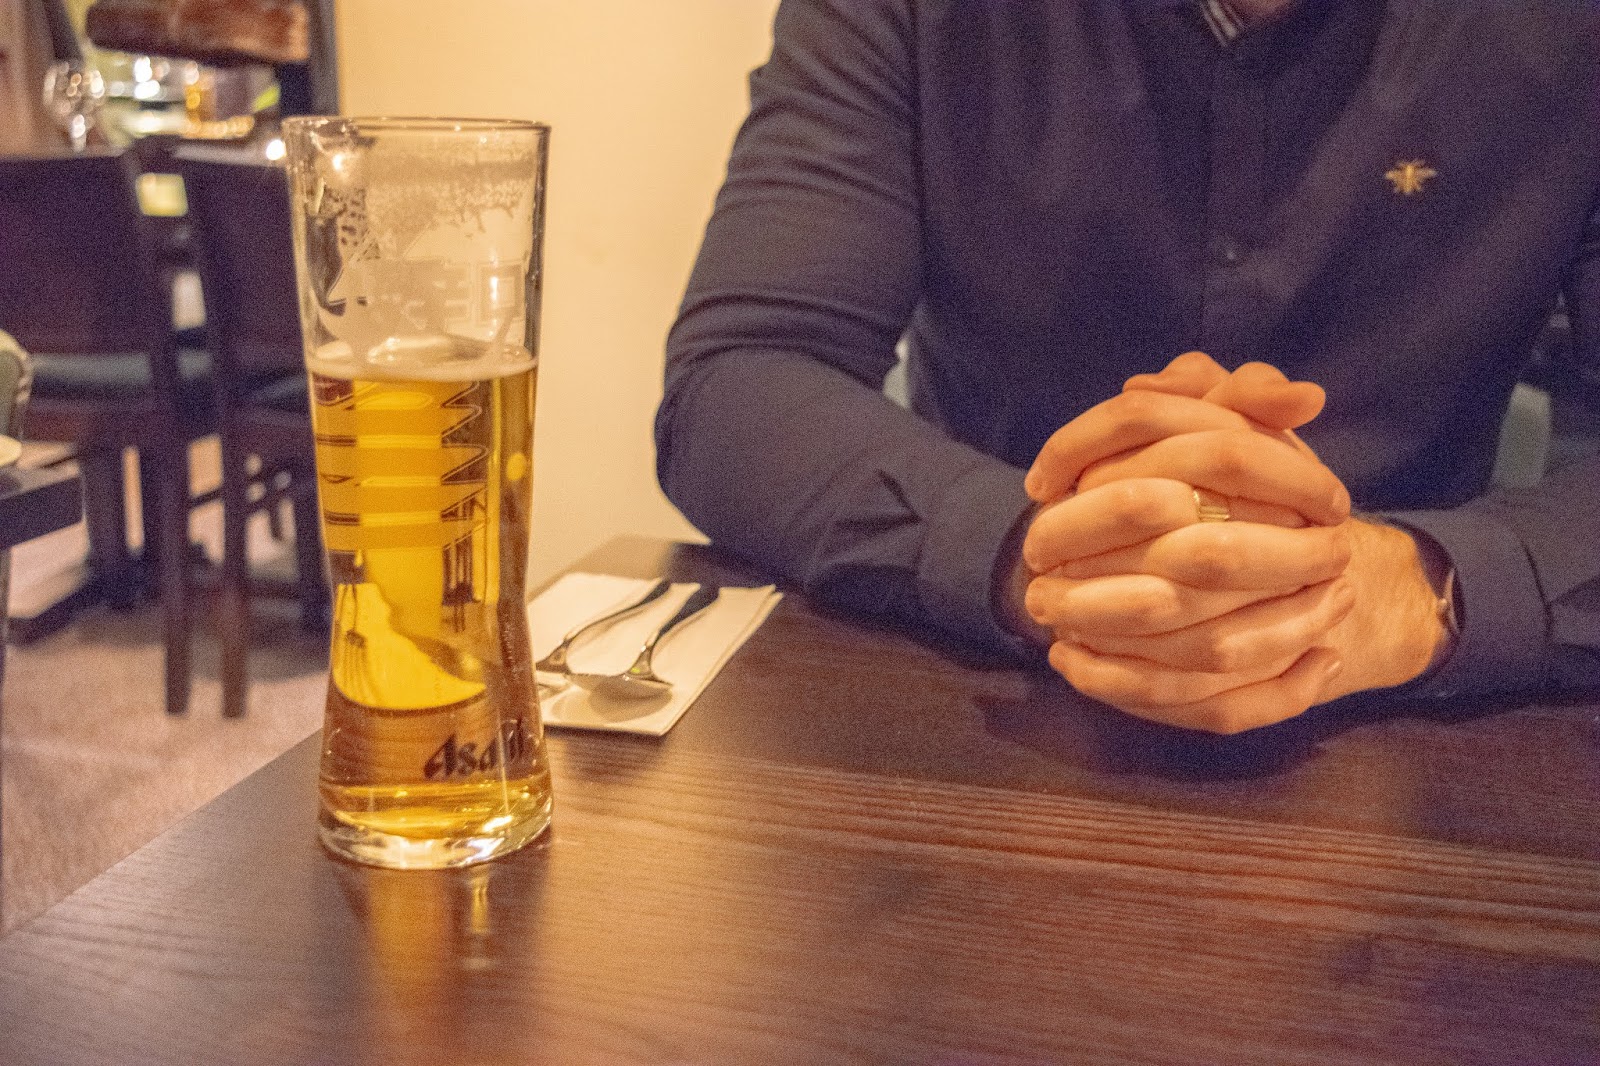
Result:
x=234 y=614
x=151 y=517
x=5 y=619
x=310 y=564
x=5 y=596
x=169 y=479
x=105 y=513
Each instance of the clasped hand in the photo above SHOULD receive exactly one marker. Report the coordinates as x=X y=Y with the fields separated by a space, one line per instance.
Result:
x=1218 y=626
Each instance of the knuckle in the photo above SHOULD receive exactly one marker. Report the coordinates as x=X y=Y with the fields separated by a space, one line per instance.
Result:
x=1039 y=543
x=1231 y=455
x=1061 y=663
x=1138 y=411
x=1221 y=654
x=1319 y=502
x=1288 y=518
x=1032 y=553
x=1216 y=562
x=1093 y=476
x=1341 y=498
x=1055 y=444
x=1324 y=615
x=1037 y=600
x=1150 y=610
x=1148 y=684
x=1340 y=546
x=1049 y=466
x=1136 y=506
x=1341 y=600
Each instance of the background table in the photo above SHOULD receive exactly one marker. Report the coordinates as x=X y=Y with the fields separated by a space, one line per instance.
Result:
x=856 y=848
x=36 y=502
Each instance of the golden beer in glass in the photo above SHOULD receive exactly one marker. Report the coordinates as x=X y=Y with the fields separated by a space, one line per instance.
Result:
x=417 y=249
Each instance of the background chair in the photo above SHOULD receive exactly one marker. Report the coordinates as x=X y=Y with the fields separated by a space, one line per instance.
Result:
x=239 y=210
x=15 y=379
x=82 y=290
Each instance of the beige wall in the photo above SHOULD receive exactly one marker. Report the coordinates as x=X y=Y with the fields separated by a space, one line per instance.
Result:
x=644 y=97
x=24 y=57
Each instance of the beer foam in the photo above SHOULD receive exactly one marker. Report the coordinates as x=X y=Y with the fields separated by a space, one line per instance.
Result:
x=432 y=358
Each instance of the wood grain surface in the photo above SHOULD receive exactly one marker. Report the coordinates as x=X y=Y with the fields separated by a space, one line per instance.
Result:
x=856 y=849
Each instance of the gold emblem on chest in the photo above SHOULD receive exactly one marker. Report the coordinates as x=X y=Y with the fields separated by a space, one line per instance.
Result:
x=1410 y=176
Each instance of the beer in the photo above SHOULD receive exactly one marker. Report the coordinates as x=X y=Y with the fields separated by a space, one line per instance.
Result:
x=432 y=749
x=418 y=261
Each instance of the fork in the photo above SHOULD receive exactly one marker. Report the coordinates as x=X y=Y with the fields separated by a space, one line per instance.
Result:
x=556 y=661
x=640 y=681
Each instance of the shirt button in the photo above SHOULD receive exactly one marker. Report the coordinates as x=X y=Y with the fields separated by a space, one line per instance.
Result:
x=1227 y=252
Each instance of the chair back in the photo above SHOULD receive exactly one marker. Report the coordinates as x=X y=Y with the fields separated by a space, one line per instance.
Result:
x=16 y=382
x=77 y=274
x=242 y=227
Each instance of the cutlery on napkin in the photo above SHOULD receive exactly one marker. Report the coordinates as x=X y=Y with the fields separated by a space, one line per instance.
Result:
x=689 y=657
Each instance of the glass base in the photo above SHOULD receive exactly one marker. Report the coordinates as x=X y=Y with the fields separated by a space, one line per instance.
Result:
x=372 y=847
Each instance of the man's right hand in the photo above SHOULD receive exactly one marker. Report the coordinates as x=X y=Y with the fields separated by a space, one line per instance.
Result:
x=1116 y=487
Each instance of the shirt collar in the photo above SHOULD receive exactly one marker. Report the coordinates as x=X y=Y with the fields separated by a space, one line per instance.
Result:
x=1220 y=16
x=1224 y=22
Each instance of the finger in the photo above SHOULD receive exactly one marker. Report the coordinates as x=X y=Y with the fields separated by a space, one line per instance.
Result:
x=1236 y=464
x=1227 y=555
x=1126 y=421
x=1138 y=683
x=1250 y=639
x=1241 y=509
x=1190 y=374
x=1304 y=685
x=1112 y=516
x=1131 y=604
x=1262 y=393
x=1280 y=405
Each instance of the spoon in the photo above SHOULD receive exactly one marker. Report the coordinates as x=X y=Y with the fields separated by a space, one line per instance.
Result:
x=556 y=661
x=640 y=680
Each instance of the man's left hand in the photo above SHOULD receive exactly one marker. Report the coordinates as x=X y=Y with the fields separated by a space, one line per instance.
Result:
x=1219 y=626
x=1373 y=626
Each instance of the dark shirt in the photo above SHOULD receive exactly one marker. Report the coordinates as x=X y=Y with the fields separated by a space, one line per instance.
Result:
x=1045 y=198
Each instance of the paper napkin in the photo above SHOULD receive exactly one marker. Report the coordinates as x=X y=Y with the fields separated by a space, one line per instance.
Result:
x=689 y=656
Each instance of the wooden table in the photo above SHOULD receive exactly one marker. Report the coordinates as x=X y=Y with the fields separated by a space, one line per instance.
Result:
x=36 y=502
x=857 y=849
x=32 y=504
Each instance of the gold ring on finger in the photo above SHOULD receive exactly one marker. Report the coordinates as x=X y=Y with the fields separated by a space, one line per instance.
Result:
x=1210 y=507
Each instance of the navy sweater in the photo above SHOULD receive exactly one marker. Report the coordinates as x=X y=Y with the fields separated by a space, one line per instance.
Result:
x=1045 y=197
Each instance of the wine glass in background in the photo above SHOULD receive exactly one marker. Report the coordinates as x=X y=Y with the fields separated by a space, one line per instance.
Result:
x=73 y=95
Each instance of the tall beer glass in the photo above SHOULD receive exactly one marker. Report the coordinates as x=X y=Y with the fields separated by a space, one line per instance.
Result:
x=417 y=250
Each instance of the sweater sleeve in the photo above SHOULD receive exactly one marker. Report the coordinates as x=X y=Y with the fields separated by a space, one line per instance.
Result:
x=773 y=436
x=1528 y=561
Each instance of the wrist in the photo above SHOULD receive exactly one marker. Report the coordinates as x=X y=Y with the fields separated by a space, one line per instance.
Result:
x=1404 y=612
x=1441 y=575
